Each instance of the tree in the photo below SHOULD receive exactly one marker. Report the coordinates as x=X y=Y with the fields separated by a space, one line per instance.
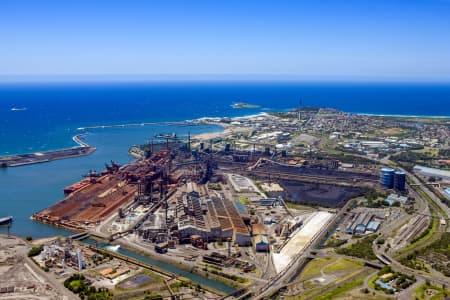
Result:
x=35 y=251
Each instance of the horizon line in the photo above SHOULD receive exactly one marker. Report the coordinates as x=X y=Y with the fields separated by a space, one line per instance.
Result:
x=212 y=77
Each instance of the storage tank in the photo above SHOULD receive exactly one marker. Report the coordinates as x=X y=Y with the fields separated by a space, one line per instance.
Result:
x=399 y=180
x=387 y=178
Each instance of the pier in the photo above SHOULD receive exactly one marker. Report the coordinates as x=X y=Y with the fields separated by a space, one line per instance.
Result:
x=180 y=123
x=46 y=156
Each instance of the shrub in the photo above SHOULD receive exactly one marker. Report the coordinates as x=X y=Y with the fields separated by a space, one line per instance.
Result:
x=35 y=251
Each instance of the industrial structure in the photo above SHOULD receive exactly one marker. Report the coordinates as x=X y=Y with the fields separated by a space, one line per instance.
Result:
x=387 y=177
x=163 y=196
x=399 y=181
x=362 y=223
x=392 y=179
x=215 y=219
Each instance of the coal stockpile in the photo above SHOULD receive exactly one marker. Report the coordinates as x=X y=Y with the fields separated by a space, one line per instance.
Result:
x=320 y=194
x=318 y=171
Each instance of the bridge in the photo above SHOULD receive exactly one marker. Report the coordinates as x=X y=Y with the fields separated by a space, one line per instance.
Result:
x=435 y=184
x=79 y=236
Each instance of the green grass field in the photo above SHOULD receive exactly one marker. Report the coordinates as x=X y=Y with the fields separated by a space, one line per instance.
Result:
x=333 y=294
x=343 y=264
x=313 y=268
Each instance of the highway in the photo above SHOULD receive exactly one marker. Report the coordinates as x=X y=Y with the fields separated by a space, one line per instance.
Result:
x=437 y=278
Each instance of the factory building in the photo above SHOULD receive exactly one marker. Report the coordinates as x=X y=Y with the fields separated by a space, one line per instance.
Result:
x=260 y=238
x=362 y=223
x=392 y=198
x=261 y=243
x=349 y=229
x=240 y=207
x=372 y=227
x=243 y=212
x=258 y=229
x=361 y=226
x=211 y=219
x=387 y=177
x=399 y=181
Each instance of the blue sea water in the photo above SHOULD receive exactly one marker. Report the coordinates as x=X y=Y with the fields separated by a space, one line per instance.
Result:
x=55 y=111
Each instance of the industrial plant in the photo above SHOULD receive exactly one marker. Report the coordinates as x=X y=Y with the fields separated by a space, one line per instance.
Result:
x=259 y=198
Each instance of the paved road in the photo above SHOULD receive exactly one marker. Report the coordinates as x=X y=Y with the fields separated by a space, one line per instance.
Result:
x=50 y=279
x=282 y=278
x=438 y=278
x=435 y=277
x=433 y=197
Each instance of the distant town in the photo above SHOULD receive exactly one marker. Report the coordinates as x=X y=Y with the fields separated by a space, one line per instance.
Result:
x=313 y=203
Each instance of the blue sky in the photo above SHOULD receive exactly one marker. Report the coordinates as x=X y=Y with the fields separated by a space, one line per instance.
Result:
x=326 y=39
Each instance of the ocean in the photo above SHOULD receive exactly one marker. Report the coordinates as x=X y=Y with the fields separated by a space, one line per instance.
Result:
x=55 y=111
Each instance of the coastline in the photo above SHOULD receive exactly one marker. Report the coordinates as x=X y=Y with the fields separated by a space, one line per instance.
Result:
x=402 y=116
x=228 y=129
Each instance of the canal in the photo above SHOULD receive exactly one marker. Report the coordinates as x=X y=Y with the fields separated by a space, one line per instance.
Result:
x=217 y=285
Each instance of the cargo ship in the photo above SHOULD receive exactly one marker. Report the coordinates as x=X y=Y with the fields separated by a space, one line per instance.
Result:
x=6 y=220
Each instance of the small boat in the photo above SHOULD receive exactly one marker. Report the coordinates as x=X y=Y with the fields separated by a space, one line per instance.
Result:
x=6 y=220
x=18 y=108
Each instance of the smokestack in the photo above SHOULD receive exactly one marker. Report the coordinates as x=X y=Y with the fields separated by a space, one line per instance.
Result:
x=189 y=141
x=299 y=109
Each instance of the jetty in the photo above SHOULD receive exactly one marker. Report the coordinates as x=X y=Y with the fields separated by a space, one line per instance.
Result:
x=46 y=156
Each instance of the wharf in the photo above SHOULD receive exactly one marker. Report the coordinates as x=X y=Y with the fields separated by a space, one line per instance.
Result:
x=104 y=195
x=46 y=156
